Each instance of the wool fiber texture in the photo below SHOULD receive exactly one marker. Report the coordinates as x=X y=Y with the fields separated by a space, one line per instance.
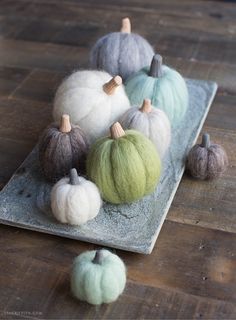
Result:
x=98 y=283
x=121 y=54
x=82 y=97
x=124 y=169
x=154 y=125
x=207 y=163
x=168 y=93
x=59 y=152
x=75 y=204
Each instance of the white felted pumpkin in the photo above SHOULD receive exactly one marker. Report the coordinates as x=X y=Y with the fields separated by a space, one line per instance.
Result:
x=122 y=53
x=75 y=200
x=98 y=277
x=152 y=122
x=93 y=100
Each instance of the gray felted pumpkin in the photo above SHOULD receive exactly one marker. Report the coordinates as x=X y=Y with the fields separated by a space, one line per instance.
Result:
x=62 y=147
x=152 y=122
x=121 y=52
x=206 y=160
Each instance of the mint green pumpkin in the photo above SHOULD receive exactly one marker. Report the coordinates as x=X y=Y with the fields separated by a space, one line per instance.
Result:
x=125 y=167
x=164 y=86
x=98 y=277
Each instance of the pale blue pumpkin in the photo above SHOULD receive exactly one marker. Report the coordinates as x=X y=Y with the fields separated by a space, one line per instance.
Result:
x=164 y=86
x=98 y=277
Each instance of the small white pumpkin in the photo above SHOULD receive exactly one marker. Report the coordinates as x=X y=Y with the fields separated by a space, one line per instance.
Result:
x=75 y=200
x=93 y=100
x=152 y=122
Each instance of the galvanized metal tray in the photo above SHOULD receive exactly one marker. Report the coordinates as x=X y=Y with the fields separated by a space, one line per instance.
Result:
x=25 y=200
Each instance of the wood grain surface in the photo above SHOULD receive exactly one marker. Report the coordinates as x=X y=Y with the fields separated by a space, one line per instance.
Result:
x=191 y=273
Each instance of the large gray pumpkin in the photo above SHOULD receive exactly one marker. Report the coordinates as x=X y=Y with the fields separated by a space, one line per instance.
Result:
x=121 y=53
x=62 y=147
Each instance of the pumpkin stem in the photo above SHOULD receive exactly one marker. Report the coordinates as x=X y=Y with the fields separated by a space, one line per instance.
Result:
x=156 y=66
x=111 y=85
x=74 y=179
x=205 y=140
x=146 y=106
x=98 y=257
x=126 y=26
x=65 y=125
x=116 y=131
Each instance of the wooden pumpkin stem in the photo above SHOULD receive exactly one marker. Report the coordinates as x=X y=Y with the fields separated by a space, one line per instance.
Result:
x=146 y=106
x=116 y=130
x=156 y=66
x=98 y=257
x=126 y=26
x=205 y=140
x=111 y=85
x=74 y=179
x=65 y=125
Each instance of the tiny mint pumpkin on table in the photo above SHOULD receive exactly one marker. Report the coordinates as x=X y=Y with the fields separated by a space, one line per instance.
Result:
x=61 y=147
x=125 y=165
x=207 y=160
x=93 y=99
x=121 y=52
x=75 y=200
x=164 y=86
x=150 y=121
x=98 y=277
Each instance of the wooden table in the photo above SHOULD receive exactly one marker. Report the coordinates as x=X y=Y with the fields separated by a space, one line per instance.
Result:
x=192 y=270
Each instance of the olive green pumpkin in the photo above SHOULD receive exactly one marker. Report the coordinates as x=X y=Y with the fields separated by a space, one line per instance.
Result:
x=125 y=166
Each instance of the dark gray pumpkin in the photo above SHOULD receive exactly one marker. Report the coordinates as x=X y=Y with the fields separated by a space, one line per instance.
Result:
x=61 y=148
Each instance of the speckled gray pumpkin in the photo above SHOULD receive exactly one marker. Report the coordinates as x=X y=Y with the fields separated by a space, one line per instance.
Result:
x=121 y=53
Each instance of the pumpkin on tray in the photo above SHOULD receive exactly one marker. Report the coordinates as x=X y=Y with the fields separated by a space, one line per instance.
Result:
x=122 y=53
x=164 y=86
x=125 y=166
x=62 y=147
x=150 y=121
x=93 y=99
x=75 y=200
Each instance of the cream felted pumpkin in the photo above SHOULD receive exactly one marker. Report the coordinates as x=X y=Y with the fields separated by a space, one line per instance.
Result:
x=207 y=160
x=98 y=277
x=62 y=147
x=152 y=122
x=122 y=53
x=93 y=99
x=164 y=86
x=75 y=200
x=124 y=166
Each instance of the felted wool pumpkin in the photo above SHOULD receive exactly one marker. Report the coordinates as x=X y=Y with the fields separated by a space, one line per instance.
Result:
x=62 y=147
x=124 y=166
x=121 y=52
x=164 y=86
x=152 y=122
x=93 y=99
x=75 y=200
x=98 y=277
x=207 y=160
